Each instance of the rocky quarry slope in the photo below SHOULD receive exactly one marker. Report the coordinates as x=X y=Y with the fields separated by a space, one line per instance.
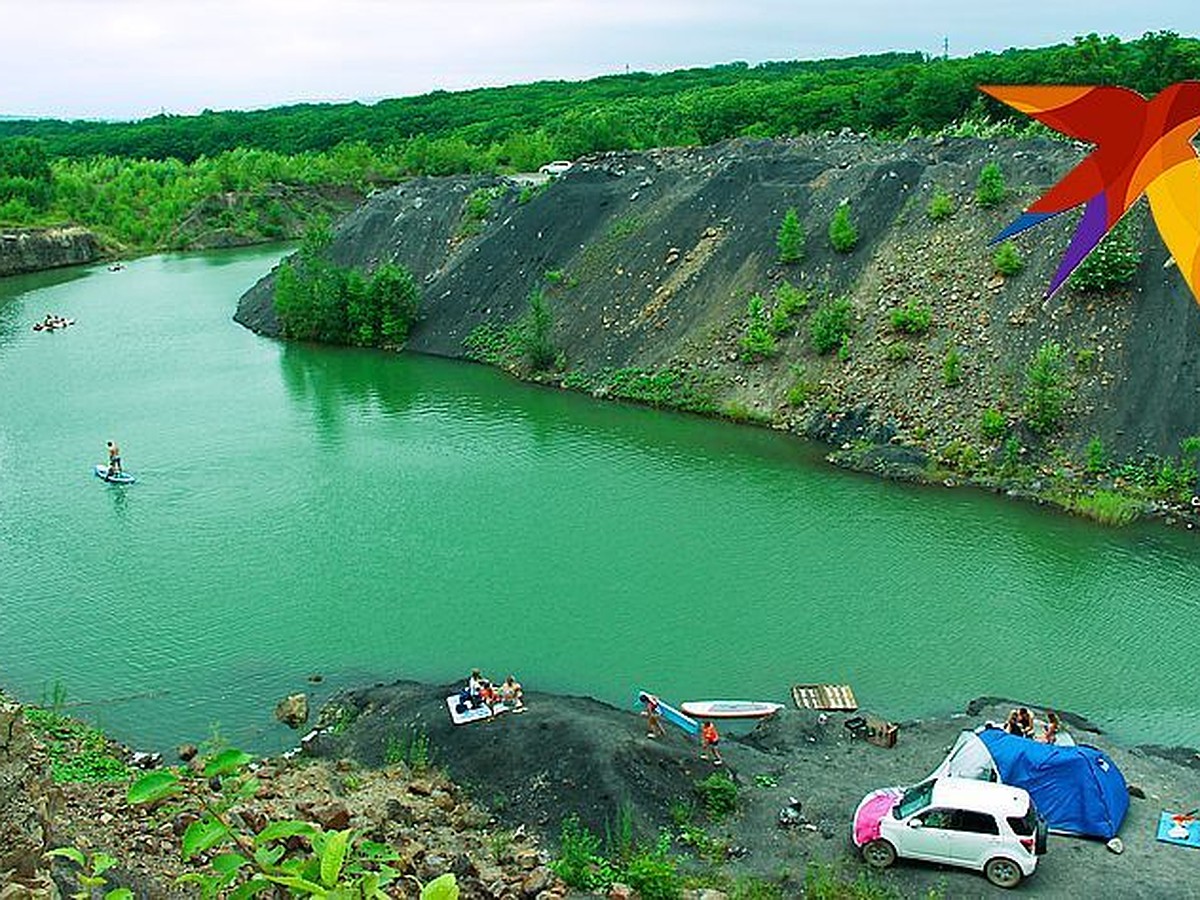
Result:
x=34 y=249
x=648 y=261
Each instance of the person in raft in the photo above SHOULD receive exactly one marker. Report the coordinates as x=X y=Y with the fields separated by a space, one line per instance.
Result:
x=709 y=738
x=114 y=458
x=511 y=694
x=654 y=725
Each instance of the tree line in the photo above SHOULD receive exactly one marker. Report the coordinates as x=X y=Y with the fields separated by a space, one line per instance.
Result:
x=137 y=181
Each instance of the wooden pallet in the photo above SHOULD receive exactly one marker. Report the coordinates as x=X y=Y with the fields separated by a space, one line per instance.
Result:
x=824 y=696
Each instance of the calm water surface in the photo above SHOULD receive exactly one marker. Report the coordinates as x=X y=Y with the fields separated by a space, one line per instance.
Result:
x=371 y=516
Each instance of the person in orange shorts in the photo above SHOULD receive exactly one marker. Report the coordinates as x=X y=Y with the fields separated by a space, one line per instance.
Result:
x=709 y=738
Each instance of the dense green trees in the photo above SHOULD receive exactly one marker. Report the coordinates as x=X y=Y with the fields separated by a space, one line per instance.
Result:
x=521 y=126
x=139 y=181
x=318 y=301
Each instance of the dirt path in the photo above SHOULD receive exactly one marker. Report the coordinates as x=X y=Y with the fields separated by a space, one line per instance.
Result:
x=576 y=755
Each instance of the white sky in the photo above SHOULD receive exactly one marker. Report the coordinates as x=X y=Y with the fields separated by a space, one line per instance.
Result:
x=129 y=59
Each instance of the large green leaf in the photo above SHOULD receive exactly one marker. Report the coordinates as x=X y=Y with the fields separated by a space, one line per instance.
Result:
x=76 y=856
x=119 y=894
x=226 y=761
x=285 y=829
x=228 y=862
x=333 y=855
x=201 y=835
x=152 y=787
x=102 y=862
x=444 y=887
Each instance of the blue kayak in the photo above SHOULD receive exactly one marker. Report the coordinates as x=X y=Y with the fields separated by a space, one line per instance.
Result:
x=101 y=471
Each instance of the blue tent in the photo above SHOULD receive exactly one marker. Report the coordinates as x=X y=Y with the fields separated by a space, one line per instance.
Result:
x=1078 y=789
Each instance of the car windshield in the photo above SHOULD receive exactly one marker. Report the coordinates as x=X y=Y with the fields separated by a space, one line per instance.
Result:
x=914 y=798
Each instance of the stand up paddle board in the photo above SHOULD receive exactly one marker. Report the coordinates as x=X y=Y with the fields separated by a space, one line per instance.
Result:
x=730 y=709
x=689 y=725
x=101 y=471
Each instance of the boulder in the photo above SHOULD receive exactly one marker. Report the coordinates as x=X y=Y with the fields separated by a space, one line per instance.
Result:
x=292 y=710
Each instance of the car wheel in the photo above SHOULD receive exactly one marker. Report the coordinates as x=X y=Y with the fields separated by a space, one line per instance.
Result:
x=879 y=854
x=1002 y=872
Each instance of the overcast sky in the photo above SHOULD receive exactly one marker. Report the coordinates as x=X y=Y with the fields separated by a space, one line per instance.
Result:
x=127 y=59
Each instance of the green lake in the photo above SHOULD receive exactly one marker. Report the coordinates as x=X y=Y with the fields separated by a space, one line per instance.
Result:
x=371 y=516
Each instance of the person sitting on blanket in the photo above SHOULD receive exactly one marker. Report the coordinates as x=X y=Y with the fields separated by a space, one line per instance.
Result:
x=488 y=695
x=471 y=696
x=510 y=693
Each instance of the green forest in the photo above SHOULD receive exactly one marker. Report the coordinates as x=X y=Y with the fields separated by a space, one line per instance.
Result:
x=137 y=183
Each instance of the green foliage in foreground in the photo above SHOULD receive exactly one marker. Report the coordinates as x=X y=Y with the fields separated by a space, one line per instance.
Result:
x=318 y=301
x=228 y=858
x=78 y=752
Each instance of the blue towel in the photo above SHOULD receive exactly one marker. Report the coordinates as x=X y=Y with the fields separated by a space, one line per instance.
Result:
x=1166 y=823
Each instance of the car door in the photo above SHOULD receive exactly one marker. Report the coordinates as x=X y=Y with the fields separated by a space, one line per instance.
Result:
x=927 y=835
x=975 y=838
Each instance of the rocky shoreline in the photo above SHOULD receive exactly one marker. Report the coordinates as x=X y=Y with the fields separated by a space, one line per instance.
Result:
x=487 y=800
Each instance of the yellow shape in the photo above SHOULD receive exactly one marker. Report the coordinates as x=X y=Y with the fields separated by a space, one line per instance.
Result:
x=1175 y=204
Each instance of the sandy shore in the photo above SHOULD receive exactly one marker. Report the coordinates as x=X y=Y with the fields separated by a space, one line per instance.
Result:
x=567 y=755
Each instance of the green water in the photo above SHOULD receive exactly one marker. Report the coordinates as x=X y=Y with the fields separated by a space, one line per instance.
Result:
x=370 y=516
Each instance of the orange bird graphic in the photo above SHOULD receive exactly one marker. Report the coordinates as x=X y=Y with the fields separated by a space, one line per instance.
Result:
x=1142 y=147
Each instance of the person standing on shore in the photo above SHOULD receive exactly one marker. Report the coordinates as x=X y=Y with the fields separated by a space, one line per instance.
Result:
x=654 y=725
x=709 y=738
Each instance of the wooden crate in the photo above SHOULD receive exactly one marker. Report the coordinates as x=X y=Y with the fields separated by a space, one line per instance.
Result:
x=824 y=696
x=881 y=733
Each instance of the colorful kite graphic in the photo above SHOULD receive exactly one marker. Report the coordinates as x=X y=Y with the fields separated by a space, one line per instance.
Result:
x=1142 y=146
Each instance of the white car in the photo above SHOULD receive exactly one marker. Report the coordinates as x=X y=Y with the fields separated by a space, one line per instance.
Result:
x=558 y=167
x=983 y=825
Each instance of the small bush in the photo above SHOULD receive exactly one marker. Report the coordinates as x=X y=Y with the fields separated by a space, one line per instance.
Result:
x=898 y=351
x=790 y=239
x=718 y=795
x=831 y=324
x=1046 y=393
x=653 y=873
x=759 y=340
x=913 y=317
x=992 y=424
x=1112 y=263
x=791 y=299
x=579 y=862
x=1006 y=260
x=803 y=389
x=952 y=368
x=843 y=233
x=990 y=188
x=941 y=205
x=534 y=333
